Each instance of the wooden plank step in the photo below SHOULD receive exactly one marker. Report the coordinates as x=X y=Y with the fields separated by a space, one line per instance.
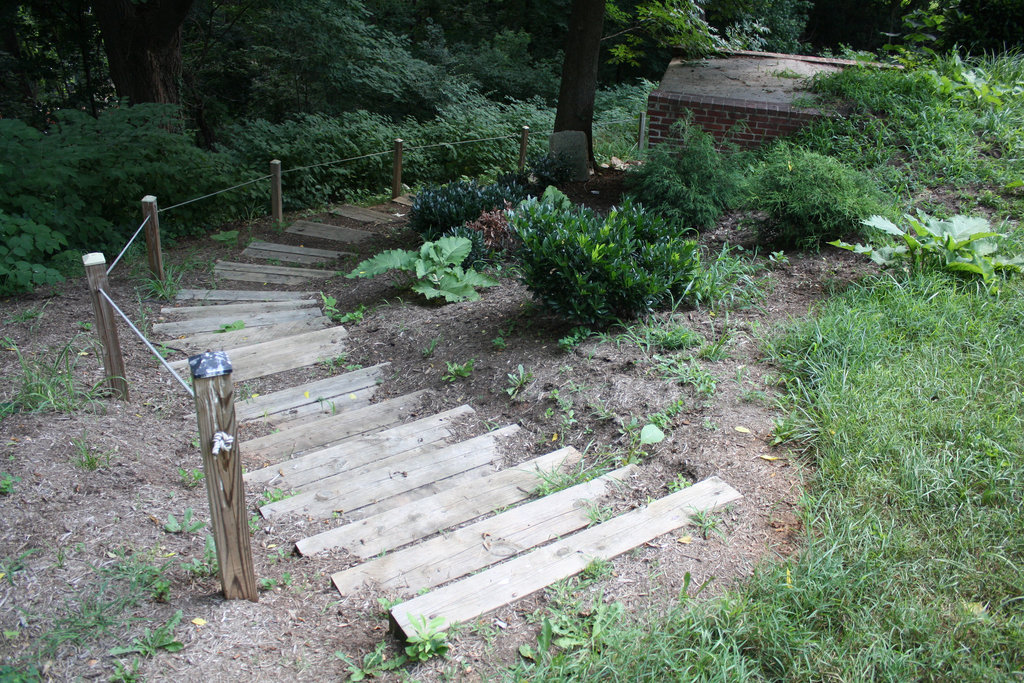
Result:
x=306 y=470
x=278 y=355
x=223 y=341
x=332 y=233
x=236 y=308
x=455 y=554
x=265 y=274
x=231 y=295
x=391 y=529
x=212 y=324
x=380 y=479
x=291 y=442
x=492 y=588
x=313 y=398
x=363 y=215
x=291 y=254
x=404 y=200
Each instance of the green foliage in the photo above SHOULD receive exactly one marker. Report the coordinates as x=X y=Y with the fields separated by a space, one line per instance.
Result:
x=331 y=309
x=187 y=524
x=435 y=267
x=457 y=371
x=165 y=289
x=687 y=178
x=518 y=381
x=7 y=482
x=160 y=638
x=809 y=198
x=961 y=244
x=25 y=246
x=436 y=210
x=427 y=639
x=767 y=25
x=190 y=478
x=44 y=382
x=207 y=565
x=597 y=270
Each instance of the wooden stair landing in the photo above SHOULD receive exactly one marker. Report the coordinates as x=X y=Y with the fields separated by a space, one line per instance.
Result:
x=362 y=215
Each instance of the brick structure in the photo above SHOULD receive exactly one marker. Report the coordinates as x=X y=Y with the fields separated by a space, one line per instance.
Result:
x=748 y=96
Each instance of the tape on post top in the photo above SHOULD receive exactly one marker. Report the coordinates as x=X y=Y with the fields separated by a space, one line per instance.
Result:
x=209 y=364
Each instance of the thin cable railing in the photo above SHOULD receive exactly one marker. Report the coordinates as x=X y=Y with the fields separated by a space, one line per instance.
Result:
x=145 y=341
x=214 y=194
x=144 y=222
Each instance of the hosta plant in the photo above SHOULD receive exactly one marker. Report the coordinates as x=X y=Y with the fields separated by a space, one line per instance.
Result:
x=962 y=244
x=436 y=267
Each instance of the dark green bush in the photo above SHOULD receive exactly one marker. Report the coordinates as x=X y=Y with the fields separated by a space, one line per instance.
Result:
x=688 y=179
x=809 y=198
x=78 y=185
x=594 y=270
x=436 y=210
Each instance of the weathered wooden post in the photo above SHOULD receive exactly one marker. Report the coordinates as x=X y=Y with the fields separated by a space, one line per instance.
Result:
x=396 y=179
x=215 y=411
x=524 y=139
x=276 y=202
x=153 y=253
x=106 y=329
x=641 y=143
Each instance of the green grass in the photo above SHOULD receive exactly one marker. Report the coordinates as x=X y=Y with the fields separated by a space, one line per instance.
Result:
x=48 y=382
x=910 y=398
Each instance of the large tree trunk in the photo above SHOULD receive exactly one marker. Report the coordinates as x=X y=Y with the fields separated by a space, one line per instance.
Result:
x=143 y=45
x=579 y=70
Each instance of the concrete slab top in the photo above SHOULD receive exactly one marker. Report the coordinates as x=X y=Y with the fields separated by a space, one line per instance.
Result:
x=762 y=77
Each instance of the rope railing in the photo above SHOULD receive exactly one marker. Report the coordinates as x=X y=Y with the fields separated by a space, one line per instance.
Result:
x=214 y=194
x=331 y=163
x=145 y=341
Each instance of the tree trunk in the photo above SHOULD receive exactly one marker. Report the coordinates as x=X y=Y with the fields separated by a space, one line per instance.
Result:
x=579 y=70
x=143 y=45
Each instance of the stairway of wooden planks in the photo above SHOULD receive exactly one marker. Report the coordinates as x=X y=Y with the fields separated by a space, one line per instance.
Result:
x=418 y=512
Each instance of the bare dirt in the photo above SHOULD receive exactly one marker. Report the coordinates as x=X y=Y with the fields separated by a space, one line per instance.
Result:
x=70 y=533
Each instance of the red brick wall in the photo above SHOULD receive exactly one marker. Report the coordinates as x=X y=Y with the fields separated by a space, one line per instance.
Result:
x=718 y=115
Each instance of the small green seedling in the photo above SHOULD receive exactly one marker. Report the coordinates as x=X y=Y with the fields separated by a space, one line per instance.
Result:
x=458 y=371
x=231 y=327
x=161 y=638
x=518 y=381
x=7 y=482
x=190 y=478
x=187 y=523
x=427 y=639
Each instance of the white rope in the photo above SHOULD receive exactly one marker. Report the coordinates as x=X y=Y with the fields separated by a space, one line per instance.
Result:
x=214 y=194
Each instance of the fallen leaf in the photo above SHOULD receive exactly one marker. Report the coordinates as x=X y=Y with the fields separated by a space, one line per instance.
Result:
x=199 y=621
x=742 y=430
x=685 y=540
x=353 y=396
x=769 y=458
x=306 y=394
x=255 y=396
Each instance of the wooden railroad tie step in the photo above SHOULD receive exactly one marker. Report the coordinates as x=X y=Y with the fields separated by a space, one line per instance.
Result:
x=306 y=470
x=279 y=275
x=380 y=480
x=362 y=215
x=241 y=309
x=291 y=254
x=236 y=295
x=247 y=336
x=278 y=355
x=504 y=583
x=391 y=529
x=331 y=233
x=212 y=322
x=455 y=554
x=295 y=441
x=324 y=397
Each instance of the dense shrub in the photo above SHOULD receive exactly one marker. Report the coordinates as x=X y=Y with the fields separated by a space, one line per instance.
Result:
x=78 y=185
x=437 y=210
x=809 y=198
x=688 y=179
x=595 y=270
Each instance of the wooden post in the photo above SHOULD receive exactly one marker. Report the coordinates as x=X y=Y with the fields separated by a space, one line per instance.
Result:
x=106 y=328
x=524 y=139
x=276 y=204
x=153 y=253
x=641 y=143
x=396 y=180
x=215 y=411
